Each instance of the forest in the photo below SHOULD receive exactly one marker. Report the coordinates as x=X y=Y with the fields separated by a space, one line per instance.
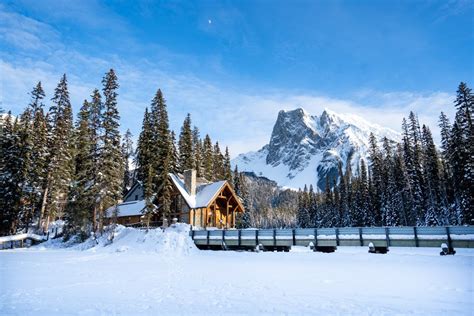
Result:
x=52 y=167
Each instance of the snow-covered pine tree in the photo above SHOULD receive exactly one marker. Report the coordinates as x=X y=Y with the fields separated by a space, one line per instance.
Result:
x=376 y=168
x=227 y=166
x=111 y=158
x=197 y=150
x=435 y=202
x=208 y=159
x=144 y=146
x=174 y=153
x=461 y=153
x=415 y=173
x=218 y=163
x=389 y=196
x=78 y=212
x=185 y=146
x=10 y=176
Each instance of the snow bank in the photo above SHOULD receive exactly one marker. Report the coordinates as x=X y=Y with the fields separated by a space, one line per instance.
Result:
x=173 y=240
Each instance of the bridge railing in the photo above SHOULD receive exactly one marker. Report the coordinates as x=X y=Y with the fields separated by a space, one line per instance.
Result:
x=455 y=236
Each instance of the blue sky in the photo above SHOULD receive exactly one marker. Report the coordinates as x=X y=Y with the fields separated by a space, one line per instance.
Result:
x=233 y=65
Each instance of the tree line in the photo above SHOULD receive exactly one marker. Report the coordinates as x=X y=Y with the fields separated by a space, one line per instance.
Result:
x=54 y=168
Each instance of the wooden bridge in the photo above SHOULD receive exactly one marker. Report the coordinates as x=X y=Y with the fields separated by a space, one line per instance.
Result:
x=327 y=238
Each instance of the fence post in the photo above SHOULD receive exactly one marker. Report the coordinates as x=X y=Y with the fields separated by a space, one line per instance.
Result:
x=315 y=237
x=223 y=235
x=337 y=236
x=416 y=236
x=208 y=232
x=239 y=233
x=293 y=231
x=192 y=234
x=256 y=237
x=386 y=237
x=274 y=237
x=360 y=237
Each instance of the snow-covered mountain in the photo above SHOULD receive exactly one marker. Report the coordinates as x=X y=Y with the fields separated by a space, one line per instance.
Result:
x=305 y=149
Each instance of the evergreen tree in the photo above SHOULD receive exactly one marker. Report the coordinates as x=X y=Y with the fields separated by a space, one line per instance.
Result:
x=217 y=164
x=227 y=166
x=111 y=158
x=461 y=153
x=81 y=202
x=10 y=176
x=144 y=147
x=185 y=145
x=197 y=150
x=208 y=159
x=61 y=153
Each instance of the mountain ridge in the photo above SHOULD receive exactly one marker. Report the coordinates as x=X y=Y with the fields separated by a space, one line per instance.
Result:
x=304 y=149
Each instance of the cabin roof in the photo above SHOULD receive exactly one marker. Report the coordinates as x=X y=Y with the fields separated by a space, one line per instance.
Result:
x=131 y=208
x=205 y=192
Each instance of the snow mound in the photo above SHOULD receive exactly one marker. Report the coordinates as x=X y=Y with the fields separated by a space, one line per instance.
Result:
x=172 y=240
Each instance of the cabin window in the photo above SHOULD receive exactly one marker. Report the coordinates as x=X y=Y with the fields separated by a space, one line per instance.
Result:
x=136 y=197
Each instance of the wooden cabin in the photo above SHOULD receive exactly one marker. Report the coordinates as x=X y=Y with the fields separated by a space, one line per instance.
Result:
x=194 y=201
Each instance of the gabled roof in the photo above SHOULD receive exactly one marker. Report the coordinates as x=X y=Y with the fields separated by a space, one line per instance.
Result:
x=131 y=208
x=137 y=183
x=205 y=193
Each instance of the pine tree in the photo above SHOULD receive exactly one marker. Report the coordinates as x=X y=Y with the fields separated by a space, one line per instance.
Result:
x=81 y=202
x=144 y=146
x=61 y=151
x=217 y=164
x=10 y=177
x=197 y=150
x=377 y=179
x=461 y=152
x=208 y=159
x=185 y=145
x=111 y=159
x=227 y=166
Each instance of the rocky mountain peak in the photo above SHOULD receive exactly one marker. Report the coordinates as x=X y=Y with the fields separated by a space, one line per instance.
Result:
x=306 y=149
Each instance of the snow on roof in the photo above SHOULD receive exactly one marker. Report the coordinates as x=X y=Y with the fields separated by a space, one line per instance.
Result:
x=131 y=208
x=204 y=192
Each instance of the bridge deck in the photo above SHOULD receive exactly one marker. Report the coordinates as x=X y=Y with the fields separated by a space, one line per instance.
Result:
x=454 y=236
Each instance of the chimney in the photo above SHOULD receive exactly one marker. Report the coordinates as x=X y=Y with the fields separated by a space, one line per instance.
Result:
x=190 y=181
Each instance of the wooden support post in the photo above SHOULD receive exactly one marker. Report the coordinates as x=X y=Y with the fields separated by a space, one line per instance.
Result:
x=449 y=237
x=360 y=237
x=293 y=231
x=206 y=217
x=227 y=214
x=194 y=217
x=416 y=236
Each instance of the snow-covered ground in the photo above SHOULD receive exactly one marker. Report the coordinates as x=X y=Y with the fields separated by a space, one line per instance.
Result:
x=160 y=273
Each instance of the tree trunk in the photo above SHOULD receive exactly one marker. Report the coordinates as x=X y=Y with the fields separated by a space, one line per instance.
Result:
x=43 y=206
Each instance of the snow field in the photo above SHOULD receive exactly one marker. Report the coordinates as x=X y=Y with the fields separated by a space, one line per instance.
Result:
x=162 y=273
